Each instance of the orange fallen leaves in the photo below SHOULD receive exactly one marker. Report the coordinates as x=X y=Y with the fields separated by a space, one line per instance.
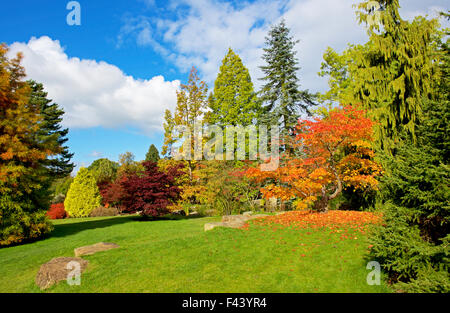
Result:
x=333 y=220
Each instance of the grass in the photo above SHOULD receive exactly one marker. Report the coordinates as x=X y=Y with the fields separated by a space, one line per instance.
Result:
x=178 y=256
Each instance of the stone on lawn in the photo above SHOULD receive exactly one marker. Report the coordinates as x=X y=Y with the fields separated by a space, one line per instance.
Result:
x=88 y=250
x=56 y=270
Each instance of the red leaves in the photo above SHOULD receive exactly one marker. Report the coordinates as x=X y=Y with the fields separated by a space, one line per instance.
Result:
x=57 y=211
x=333 y=220
x=337 y=153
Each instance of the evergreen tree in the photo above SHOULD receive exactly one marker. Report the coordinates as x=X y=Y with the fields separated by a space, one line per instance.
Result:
x=51 y=133
x=233 y=101
x=281 y=95
x=152 y=154
x=395 y=71
x=83 y=195
x=412 y=243
x=23 y=197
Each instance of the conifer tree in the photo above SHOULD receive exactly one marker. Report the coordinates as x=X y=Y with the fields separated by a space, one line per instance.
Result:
x=51 y=133
x=152 y=154
x=233 y=101
x=23 y=197
x=83 y=195
x=284 y=101
x=395 y=71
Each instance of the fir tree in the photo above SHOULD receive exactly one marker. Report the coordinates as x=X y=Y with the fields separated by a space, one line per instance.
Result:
x=283 y=100
x=152 y=154
x=51 y=133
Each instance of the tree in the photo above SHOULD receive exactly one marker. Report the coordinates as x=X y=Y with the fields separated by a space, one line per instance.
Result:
x=233 y=101
x=412 y=244
x=103 y=170
x=152 y=154
x=336 y=153
x=23 y=196
x=127 y=165
x=281 y=95
x=83 y=195
x=396 y=69
x=51 y=133
x=190 y=110
x=152 y=192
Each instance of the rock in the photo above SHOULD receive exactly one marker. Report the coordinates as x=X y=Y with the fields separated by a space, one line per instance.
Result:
x=248 y=213
x=194 y=214
x=88 y=250
x=56 y=270
x=233 y=221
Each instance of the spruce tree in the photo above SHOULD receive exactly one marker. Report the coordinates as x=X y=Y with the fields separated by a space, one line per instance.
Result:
x=394 y=72
x=152 y=154
x=283 y=100
x=233 y=101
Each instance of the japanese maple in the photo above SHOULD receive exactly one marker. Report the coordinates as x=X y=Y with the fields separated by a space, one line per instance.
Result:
x=335 y=152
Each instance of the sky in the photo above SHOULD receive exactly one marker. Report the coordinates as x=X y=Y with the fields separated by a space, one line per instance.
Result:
x=118 y=71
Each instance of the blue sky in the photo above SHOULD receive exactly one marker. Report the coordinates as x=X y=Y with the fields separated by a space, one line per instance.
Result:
x=118 y=71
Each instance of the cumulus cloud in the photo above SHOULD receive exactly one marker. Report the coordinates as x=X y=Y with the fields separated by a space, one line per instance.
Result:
x=202 y=31
x=96 y=93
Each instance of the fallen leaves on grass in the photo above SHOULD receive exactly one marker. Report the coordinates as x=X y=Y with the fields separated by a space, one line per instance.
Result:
x=334 y=220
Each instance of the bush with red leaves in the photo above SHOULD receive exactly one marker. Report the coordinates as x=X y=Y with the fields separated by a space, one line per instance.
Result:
x=57 y=211
x=152 y=191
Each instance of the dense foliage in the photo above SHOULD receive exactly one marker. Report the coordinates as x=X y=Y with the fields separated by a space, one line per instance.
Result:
x=83 y=195
x=57 y=211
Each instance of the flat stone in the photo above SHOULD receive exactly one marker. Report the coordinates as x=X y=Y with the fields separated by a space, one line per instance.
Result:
x=233 y=221
x=88 y=250
x=56 y=270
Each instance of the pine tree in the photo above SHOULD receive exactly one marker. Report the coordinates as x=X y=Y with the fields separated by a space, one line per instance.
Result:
x=51 y=133
x=283 y=100
x=152 y=154
x=83 y=195
x=233 y=101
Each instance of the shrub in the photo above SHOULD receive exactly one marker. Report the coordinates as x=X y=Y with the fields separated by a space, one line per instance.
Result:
x=152 y=191
x=57 y=211
x=83 y=195
x=104 y=211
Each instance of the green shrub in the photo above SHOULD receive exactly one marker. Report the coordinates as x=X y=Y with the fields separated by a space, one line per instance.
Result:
x=83 y=195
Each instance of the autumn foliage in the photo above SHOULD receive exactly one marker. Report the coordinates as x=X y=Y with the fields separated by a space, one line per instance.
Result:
x=57 y=211
x=334 y=220
x=335 y=153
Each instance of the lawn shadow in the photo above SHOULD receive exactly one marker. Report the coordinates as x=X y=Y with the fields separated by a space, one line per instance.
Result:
x=63 y=230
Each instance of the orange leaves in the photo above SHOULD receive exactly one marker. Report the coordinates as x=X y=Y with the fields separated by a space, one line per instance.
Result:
x=336 y=153
x=332 y=220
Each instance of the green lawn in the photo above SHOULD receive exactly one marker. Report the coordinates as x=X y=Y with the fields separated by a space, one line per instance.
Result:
x=178 y=256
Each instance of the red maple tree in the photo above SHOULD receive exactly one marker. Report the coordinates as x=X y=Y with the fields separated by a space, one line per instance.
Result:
x=335 y=152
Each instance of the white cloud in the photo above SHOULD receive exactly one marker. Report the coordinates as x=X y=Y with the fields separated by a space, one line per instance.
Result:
x=96 y=154
x=96 y=93
x=204 y=29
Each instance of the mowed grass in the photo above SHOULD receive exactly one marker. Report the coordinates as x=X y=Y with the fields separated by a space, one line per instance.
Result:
x=178 y=256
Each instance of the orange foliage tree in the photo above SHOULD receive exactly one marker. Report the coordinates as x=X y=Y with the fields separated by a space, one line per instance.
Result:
x=335 y=152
